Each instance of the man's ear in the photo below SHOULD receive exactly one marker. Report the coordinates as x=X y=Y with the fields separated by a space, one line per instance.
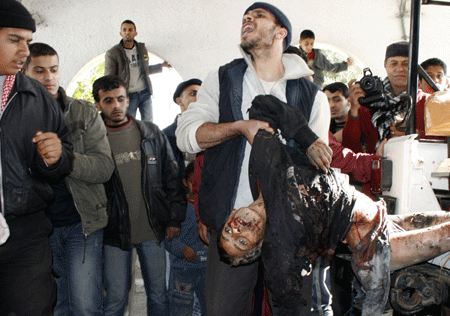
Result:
x=282 y=33
x=184 y=182
x=178 y=101
x=97 y=105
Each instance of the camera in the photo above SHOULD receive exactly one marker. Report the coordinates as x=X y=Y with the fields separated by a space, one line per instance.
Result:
x=373 y=88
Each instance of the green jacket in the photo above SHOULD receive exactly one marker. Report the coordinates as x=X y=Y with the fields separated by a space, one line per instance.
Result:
x=93 y=164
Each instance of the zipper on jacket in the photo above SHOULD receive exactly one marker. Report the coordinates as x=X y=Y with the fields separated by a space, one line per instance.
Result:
x=144 y=184
x=2 y=196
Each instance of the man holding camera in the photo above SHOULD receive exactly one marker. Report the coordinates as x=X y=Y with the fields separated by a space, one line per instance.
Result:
x=368 y=125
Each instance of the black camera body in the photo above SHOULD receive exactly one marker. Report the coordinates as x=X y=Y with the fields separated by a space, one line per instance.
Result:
x=372 y=87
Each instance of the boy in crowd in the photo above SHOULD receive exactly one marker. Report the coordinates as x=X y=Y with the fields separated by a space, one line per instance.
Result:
x=78 y=213
x=188 y=256
x=337 y=94
x=146 y=202
x=437 y=70
x=36 y=151
x=317 y=61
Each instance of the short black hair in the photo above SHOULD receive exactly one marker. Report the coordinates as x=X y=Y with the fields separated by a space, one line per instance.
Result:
x=433 y=62
x=106 y=83
x=37 y=50
x=307 y=34
x=128 y=22
x=189 y=170
x=337 y=86
x=249 y=257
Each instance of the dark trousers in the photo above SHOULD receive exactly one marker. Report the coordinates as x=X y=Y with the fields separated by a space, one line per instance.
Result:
x=27 y=286
x=229 y=290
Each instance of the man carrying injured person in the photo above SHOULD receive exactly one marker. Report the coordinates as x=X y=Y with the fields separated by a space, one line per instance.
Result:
x=302 y=213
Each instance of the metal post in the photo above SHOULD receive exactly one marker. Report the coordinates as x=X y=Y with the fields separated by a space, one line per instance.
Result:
x=413 y=62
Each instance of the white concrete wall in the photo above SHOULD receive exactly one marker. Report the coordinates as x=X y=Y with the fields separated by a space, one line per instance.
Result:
x=198 y=35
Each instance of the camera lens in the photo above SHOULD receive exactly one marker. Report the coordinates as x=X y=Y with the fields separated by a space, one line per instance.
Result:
x=368 y=84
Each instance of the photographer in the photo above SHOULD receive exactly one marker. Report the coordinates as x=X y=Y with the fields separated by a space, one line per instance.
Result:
x=368 y=125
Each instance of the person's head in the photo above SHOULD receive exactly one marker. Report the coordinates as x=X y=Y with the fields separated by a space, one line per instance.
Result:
x=306 y=42
x=263 y=26
x=186 y=93
x=16 y=30
x=43 y=65
x=437 y=70
x=337 y=94
x=241 y=237
x=188 y=176
x=111 y=98
x=128 y=31
x=396 y=65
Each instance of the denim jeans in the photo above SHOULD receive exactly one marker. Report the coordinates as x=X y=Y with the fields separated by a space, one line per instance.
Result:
x=78 y=261
x=321 y=295
x=117 y=278
x=184 y=284
x=141 y=100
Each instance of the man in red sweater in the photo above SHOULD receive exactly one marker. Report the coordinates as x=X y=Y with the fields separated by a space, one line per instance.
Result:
x=367 y=127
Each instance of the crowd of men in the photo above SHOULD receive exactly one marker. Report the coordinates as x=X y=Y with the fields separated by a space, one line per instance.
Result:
x=84 y=184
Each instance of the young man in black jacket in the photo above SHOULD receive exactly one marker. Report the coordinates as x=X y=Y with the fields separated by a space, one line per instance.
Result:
x=146 y=200
x=35 y=150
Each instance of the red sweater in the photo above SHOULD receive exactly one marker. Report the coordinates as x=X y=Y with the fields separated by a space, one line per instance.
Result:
x=362 y=125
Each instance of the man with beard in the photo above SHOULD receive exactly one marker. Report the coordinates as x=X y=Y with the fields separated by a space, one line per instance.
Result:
x=218 y=123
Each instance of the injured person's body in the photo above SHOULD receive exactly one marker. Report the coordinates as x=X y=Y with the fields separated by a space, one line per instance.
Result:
x=301 y=213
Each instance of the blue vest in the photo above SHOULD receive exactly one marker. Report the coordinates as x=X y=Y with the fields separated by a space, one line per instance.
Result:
x=222 y=163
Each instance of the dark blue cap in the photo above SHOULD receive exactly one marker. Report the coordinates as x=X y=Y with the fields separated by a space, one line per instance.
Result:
x=280 y=16
x=184 y=85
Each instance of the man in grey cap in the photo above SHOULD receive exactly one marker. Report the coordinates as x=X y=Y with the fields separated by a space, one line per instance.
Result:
x=218 y=123
x=35 y=151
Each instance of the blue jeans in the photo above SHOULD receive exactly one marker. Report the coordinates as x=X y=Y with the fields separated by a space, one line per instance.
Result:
x=183 y=284
x=321 y=296
x=78 y=261
x=141 y=100
x=117 y=278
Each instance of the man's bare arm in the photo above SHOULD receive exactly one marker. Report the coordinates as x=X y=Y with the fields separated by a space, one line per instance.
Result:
x=212 y=134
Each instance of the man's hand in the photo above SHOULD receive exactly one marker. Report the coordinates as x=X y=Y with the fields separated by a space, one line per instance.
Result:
x=166 y=64
x=203 y=232
x=380 y=149
x=319 y=155
x=355 y=92
x=49 y=147
x=189 y=254
x=251 y=127
x=172 y=232
x=394 y=131
x=350 y=61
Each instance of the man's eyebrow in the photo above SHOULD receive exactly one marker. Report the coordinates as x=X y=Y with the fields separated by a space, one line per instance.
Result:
x=19 y=37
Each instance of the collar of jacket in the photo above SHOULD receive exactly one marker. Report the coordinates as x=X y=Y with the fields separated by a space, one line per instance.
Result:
x=123 y=47
x=23 y=84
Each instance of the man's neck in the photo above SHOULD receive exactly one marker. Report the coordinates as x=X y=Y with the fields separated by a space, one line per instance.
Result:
x=398 y=89
x=128 y=45
x=268 y=64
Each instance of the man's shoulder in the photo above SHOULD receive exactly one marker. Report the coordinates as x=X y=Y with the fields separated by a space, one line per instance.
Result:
x=235 y=62
x=114 y=49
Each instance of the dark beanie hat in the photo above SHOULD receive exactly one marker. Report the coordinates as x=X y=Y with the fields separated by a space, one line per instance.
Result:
x=184 y=85
x=14 y=14
x=280 y=16
x=397 y=49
